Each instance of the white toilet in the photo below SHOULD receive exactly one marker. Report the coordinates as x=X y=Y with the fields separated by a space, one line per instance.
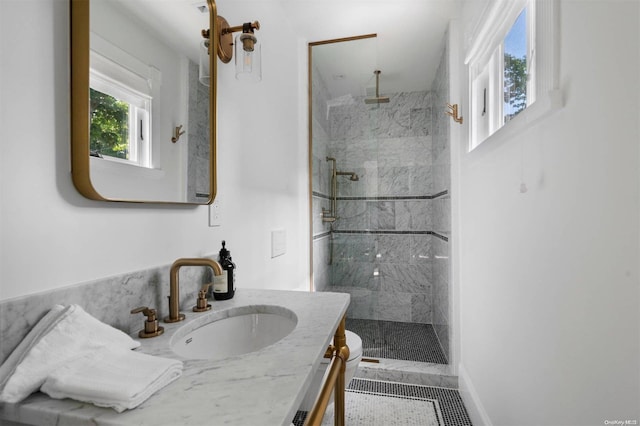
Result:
x=355 y=355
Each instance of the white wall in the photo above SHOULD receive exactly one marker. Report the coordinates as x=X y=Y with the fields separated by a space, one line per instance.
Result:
x=52 y=237
x=549 y=278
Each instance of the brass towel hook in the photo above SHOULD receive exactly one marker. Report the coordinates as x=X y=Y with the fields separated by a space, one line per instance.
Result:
x=177 y=133
x=454 y=112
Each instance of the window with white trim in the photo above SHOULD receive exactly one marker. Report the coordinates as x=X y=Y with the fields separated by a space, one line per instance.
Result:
x=512 y=67
x=120 y=113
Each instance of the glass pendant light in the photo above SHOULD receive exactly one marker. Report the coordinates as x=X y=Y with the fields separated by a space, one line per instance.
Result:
x=248 y=57
x=204 y=73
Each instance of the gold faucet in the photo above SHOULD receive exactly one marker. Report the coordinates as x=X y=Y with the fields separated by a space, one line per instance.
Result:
x=174 y=287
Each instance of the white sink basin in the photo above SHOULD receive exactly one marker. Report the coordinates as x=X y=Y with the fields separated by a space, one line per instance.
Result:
x=234 y=332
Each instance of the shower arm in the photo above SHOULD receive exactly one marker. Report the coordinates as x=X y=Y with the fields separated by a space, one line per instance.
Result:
x=352 y=176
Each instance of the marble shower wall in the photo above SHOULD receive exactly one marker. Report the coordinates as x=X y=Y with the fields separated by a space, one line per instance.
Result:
x=441 y=207
x=390 y=246
x=198 y=137
x=320 y=184
x=382 y=239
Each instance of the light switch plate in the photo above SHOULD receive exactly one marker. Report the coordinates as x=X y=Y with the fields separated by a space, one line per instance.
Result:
x=278 y=242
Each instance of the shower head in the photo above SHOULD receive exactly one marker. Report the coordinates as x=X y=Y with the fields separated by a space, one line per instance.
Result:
x=378 y=99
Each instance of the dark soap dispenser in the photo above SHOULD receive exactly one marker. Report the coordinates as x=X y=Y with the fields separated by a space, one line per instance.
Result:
x=225 y=287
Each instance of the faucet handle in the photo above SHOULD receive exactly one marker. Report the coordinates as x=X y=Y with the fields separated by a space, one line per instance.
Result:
x=151 y=327
x=201 y=303
x=149 y=313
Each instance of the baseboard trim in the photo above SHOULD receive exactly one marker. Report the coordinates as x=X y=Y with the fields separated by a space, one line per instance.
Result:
x=472 y=403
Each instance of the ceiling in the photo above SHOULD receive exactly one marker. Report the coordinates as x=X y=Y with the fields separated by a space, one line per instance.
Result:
x=409 y=42
x=407 y=49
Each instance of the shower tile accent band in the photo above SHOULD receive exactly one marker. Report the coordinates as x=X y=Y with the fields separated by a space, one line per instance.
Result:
x=322 y=235
x=320 y=195
x=395 y=198
x=385 y=198
x=380 y=231
x=442 y=237
x=390 y=232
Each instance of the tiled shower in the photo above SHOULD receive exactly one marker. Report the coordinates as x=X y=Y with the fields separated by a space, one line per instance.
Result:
x=390 y=246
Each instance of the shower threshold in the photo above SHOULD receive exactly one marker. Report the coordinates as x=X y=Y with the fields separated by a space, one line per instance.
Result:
x=402 y=352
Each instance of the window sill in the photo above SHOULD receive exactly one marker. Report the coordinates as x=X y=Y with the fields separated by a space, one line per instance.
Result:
x=533 y=114
x=101 y=165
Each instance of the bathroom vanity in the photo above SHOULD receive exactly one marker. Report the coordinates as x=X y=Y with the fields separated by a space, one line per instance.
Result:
x=263 y=387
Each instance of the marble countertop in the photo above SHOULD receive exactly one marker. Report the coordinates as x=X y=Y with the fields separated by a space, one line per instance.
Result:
x=260 y=388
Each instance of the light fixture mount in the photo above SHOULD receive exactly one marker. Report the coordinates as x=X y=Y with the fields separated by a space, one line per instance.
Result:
x=225 y=40
x=225 y=36
x=248 y=49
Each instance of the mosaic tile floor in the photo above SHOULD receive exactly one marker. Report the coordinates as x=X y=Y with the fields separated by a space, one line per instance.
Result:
x=397 y=340
x=412 y=405
x=408 y=353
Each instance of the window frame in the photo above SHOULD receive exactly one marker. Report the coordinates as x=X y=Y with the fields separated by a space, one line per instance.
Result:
x=485 y=60
x=138 y=118
x=115 y=80
x=112 y=64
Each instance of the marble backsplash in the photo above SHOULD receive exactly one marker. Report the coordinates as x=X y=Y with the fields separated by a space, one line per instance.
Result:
x=108 y=299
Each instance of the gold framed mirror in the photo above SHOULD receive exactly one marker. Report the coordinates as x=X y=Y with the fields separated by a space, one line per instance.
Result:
x=143 y=119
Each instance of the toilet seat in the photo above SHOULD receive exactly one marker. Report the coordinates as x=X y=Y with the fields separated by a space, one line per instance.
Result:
x=355 y=356
x=355 y=346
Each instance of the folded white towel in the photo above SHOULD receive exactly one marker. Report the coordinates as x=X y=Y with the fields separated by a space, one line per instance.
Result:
x=118 y=379
x=41 y=328
x=71 y=335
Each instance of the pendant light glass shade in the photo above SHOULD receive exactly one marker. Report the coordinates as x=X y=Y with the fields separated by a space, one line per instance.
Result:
x=248 y=58
x=204 y=74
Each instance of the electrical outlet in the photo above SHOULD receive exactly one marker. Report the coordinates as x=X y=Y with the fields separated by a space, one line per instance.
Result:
x=215 y=215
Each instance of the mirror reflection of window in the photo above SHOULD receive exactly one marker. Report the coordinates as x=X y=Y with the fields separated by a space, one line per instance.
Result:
x=120 y=112
x=119 y=129
x=109 y=118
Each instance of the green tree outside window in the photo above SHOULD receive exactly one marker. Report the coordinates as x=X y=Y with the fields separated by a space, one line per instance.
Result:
x=515 y=84
x=109 y=133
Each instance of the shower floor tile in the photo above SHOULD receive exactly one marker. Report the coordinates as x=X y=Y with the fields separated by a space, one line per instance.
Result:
x=397 y=340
